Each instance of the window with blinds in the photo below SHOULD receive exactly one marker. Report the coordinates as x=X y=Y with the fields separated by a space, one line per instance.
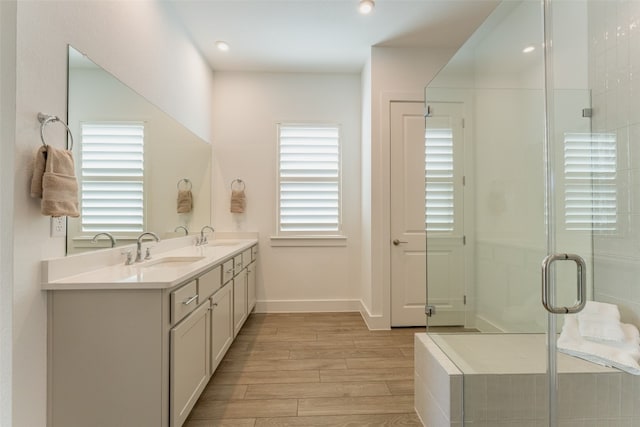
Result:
x=112 y=169
x=590 y=164
x=439 y=190
x=309 y=199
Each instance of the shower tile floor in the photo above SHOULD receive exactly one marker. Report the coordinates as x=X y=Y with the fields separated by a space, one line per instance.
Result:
x=311 y=369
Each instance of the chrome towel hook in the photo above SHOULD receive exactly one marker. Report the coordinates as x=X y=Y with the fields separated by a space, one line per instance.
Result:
x=45 y=119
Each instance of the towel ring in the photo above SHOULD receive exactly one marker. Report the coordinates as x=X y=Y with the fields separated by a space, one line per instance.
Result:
x=239 y=182
x=45 y=120
x=186 y=181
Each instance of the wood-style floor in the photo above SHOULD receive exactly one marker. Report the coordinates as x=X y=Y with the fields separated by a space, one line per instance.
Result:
x=311 y=369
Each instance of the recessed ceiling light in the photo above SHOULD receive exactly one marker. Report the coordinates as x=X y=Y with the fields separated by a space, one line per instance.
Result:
x=528 y=49
x=222 y=45
x=366 y=6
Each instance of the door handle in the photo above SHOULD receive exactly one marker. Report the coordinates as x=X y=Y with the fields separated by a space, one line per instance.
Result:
x=581 y=283
x=396 y=242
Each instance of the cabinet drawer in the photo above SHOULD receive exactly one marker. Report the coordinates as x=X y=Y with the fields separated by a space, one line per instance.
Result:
x=246 y=258
x=227 y=271
x=209 y=282
x=237 y=264
x=183 y=301
x=254 y=252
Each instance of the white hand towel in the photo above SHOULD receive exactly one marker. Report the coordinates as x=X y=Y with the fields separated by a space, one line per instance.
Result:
x=600 y=329
x=595 y=308
x=621 y=355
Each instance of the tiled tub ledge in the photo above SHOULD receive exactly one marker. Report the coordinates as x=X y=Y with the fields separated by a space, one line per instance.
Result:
x=500 y=380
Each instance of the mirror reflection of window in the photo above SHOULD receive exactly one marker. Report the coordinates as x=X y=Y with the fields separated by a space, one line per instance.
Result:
x=112 y=167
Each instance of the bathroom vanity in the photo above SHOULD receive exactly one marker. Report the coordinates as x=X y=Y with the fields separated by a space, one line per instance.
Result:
x=135 y=345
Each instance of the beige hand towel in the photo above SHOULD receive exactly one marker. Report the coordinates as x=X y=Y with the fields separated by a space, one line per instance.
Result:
x=38 y=171
x=185 y=201
x=238 y=201
x=59 y=184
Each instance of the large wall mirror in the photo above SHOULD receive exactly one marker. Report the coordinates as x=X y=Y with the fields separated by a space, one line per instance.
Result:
x=132 y=159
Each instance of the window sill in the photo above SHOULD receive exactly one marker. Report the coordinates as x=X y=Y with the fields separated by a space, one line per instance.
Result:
x=308 y=241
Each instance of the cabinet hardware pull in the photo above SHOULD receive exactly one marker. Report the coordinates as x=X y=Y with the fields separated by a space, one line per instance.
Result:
x=229 y=270
x=190 y=300
x=215 y=304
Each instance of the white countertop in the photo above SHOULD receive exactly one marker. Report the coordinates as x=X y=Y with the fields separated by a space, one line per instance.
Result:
x=151 y=274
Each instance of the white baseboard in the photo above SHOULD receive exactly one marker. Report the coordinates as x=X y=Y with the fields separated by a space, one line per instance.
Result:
x=306 y=306
x=374 y=322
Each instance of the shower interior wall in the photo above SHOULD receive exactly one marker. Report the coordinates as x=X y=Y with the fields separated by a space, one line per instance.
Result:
x=614 y=79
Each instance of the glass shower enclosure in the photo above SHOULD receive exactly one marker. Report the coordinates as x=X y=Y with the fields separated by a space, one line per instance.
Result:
x=541 y=183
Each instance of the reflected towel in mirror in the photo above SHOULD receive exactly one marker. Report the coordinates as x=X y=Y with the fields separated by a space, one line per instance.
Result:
x=185 y=201
x=238 y=201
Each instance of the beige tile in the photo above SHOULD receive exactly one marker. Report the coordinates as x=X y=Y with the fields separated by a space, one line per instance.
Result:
x=237 y=422
x=311 y=369
x=277 y=337
x=307 y=345
x=382 y=420
x=386 y=362
x=346 y=353
x=280 y=365
x=258 y=330
x=327 y=328
x=398 y=341
x=266 y=377
x=242 y=354
x=400 y=387
x=350 y=375
x=407 y=352
x=223 y=391
x=216 y=409
x=355 y=405
x=351 y=334
x=281 y=391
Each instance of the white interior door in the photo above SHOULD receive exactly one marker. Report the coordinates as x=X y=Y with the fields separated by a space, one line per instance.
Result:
x=426 y=193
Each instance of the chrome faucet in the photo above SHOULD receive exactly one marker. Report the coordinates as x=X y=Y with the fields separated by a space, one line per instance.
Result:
x=203 y=237
x=154 y=236
x=186 y=230
x=109 y=235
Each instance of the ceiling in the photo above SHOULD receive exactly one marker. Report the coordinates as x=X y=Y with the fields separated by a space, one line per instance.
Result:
x=321 y=35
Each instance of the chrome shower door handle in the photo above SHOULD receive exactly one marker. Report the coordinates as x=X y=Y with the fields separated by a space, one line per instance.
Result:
x=581 y=283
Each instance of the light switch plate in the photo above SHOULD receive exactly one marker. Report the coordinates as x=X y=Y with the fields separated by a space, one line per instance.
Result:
x=58 y=226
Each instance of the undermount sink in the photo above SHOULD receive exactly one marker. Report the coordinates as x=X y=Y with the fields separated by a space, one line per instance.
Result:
x=172 y=261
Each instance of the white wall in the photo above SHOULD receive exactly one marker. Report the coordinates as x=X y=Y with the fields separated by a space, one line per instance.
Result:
x=136 y=42
x=7 y=144
x=247 y=107
x=397 y=74
x=365 y=193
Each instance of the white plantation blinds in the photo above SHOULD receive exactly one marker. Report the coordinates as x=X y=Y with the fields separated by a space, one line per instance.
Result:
x=590 y=182
x=439 y=193
x=309 y=180
x=112 y=168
